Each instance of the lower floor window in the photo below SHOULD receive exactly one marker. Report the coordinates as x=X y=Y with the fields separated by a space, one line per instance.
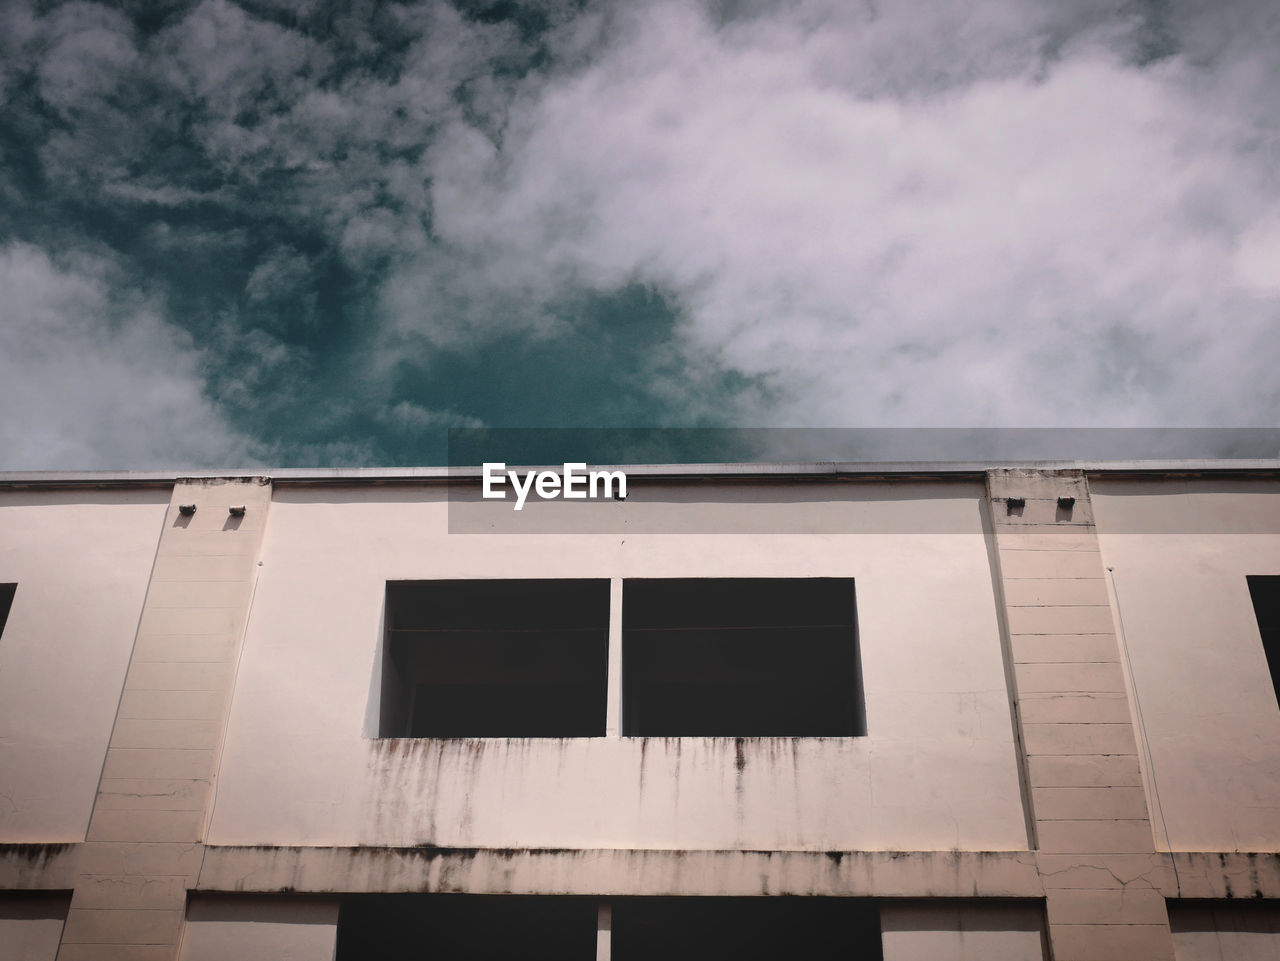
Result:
x=484 y=927
x=693 y=929
x=392 y=927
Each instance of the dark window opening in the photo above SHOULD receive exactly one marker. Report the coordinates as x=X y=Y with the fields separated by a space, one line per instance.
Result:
x=6 y=601
x=676 y=929
x=478 y=927
x=1265 y=591
x=496 y=658
x=746 y=657
x=1256 y=920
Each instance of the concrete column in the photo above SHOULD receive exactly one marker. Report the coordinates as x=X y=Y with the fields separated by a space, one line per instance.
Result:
x=143 y=848
x=613 y=709
x=604 y=931
x=1097 y=855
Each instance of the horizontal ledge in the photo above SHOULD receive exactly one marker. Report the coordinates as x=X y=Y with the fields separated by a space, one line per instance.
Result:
x=609 y=871
x=1235 y=875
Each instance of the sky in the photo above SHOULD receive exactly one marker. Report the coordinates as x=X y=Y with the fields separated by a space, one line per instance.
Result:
x=297 y=233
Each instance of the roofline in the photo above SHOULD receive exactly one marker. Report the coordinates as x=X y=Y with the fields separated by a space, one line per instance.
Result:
x=811 y=471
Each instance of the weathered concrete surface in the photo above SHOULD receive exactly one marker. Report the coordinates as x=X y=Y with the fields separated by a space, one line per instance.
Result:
x=937 y=769
x=1226 y=875
x=917 y=874
x=1190 y=875
x=927 y=806
x=35 y=867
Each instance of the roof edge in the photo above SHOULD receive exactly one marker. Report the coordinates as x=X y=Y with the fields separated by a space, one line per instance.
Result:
x=815 y=470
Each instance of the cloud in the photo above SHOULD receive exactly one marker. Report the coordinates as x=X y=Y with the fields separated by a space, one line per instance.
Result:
x=89 y=48
x=362 y=225
x=1028 y=233
x=1257 y=257
x=282 y=279
x=89 y=381
x=413 y=417
x=229 y=62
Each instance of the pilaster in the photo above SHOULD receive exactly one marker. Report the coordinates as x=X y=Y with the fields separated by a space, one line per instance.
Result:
x=1095 y=848
x=144 y=845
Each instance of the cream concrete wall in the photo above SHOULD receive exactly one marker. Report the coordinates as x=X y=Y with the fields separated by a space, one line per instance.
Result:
x=81 y=560
x=30 y=927
x=266 y=928
x=1199 y=669
x=962 y=931
x=937 y=771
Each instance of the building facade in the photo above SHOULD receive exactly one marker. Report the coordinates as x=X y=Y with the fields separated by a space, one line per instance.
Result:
x=895 y=712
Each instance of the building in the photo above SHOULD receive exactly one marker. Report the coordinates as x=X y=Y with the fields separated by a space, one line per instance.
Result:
x=870 y=711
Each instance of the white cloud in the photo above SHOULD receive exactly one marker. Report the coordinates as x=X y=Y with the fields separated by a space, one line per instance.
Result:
x=1033 y=231
x=1257 y=260
x=412 y=417
x=89 y=382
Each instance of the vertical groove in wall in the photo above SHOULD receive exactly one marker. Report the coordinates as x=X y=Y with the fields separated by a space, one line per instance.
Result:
x=1096 y=851
x=144 y=845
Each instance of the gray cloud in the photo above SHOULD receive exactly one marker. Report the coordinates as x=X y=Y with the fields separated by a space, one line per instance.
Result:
x=831 y=213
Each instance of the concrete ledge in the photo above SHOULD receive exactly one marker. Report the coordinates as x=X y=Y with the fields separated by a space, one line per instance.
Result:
x=1228 y=875
x=38 y=867
x=915 y=874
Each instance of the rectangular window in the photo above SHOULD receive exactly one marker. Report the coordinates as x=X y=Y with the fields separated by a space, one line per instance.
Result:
x=1265 y=591
x=485 y=927
x=6 y=601
x=477 y=927
x=744 y=657
x=746 y=929
x=495 y=658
